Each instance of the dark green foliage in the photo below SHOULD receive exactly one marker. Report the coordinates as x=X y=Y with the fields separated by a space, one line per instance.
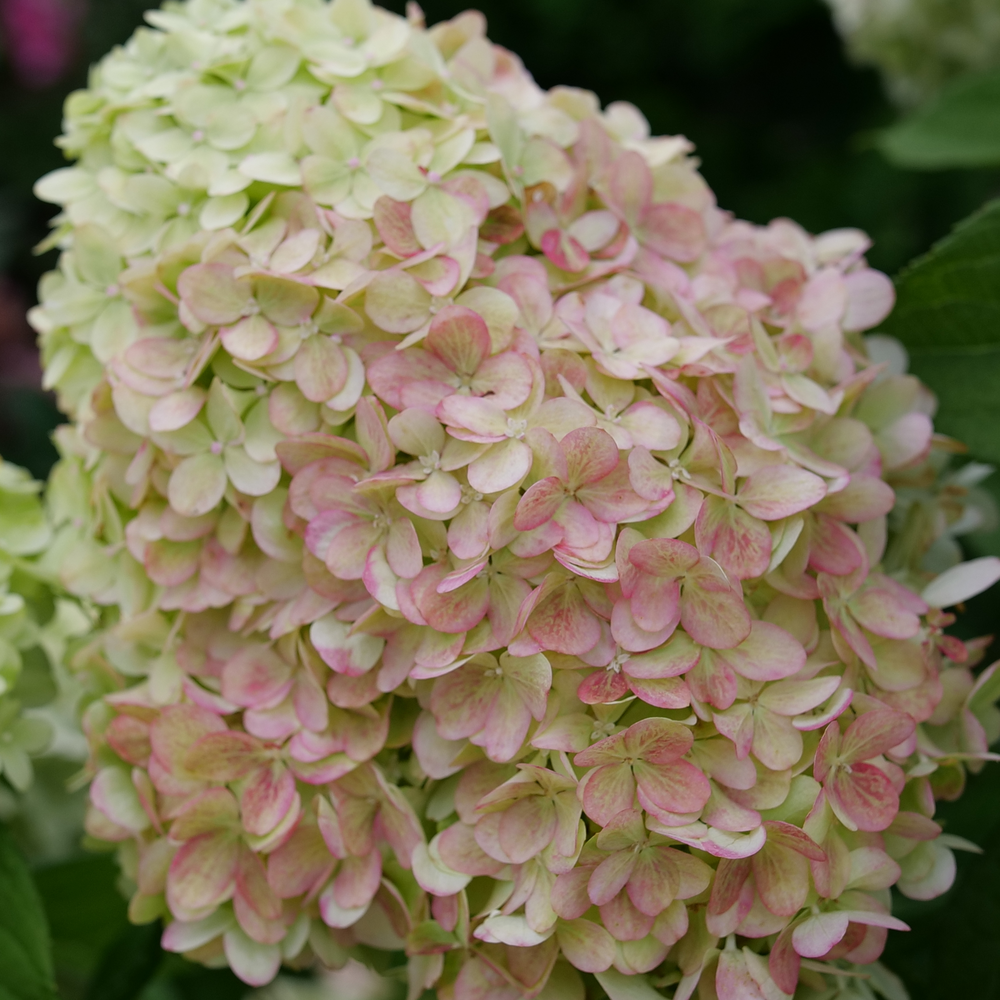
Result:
x=952 y=948
x=25 y=950
x=959 y=128
x=948 y=316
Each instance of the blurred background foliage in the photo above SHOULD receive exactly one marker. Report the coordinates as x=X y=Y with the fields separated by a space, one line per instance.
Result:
x=785 y=125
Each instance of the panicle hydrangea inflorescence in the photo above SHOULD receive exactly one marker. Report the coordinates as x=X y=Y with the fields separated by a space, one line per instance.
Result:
x=492 y=534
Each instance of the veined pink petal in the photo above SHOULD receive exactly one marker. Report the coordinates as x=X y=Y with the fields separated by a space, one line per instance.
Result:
x=819 y=933
x=882 y=613
x=531 y=678
x=740 y=543
x=587 y=946
x=658 y=741
x=402 y=549
x=782 y=879
x=623 y=921
x=610 y=876
x=666 y=557
x=602 y=686
x=631 y=636
x=224 y=756
x=674 y=658
x=794 y=697
x=863 y=499
x=777 y=491
x=874 y=733
x=457 y=610
x=863 y=798
x=675 y=231
x=776 y=743
x=504 y=378
x=651 y=426
x=564 y=251
x=718 y=619
x=501 y=467
x=250 y=339
x=666 y=692
x=651 y=480
x=768 y=653
x=357 y=880
x=203 y=872
x=591 y=454
x=461 y=701
x=563 y=622
x=296 y=866
x=527 y=827
x=256 y=677
x=391 y=375
x=656 y=603
x=870 y=297
x=507 y=724
x=475 y=419
x=439 y=493
x=630 y=187
x=267 y=797
x=655 y=880
x=612 y=498
x=676 y=787
x=349 y=547
x=460 y=338
x=539 y=504
x=607 y=791
x=733 y=980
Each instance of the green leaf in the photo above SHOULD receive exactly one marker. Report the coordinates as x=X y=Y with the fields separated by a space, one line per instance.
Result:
x=128 y=965
x=948 y=316
x=958 y=128
x=619 y=987
x=25 y=953
x=81 y=901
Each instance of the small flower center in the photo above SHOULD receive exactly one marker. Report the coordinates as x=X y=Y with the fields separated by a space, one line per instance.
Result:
x=601 y=730
x=430 y=463
x=677 y=470
x=354 y=163
x=615 y=666
x=215 y=448
x=516 y=428
x=492 y=672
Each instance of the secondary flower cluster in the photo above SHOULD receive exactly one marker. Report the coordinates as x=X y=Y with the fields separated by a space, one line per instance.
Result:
x=920 y=45
x=491 y=532
x=37 y=622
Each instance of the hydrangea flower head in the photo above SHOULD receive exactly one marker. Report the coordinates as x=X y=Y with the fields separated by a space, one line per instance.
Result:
x=492 y=534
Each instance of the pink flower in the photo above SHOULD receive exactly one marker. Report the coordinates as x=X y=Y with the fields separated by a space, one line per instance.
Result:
x=586 y=490
x=492 y=701
x=861 y=794
x=665 y=583
x=643 y=761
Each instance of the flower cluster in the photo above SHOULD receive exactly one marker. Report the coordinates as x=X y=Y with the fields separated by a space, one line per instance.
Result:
x=920 y=45
x=491 y=532
x=37 y=622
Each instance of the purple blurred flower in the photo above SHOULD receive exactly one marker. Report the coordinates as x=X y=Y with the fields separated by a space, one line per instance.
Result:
x=41 y=38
